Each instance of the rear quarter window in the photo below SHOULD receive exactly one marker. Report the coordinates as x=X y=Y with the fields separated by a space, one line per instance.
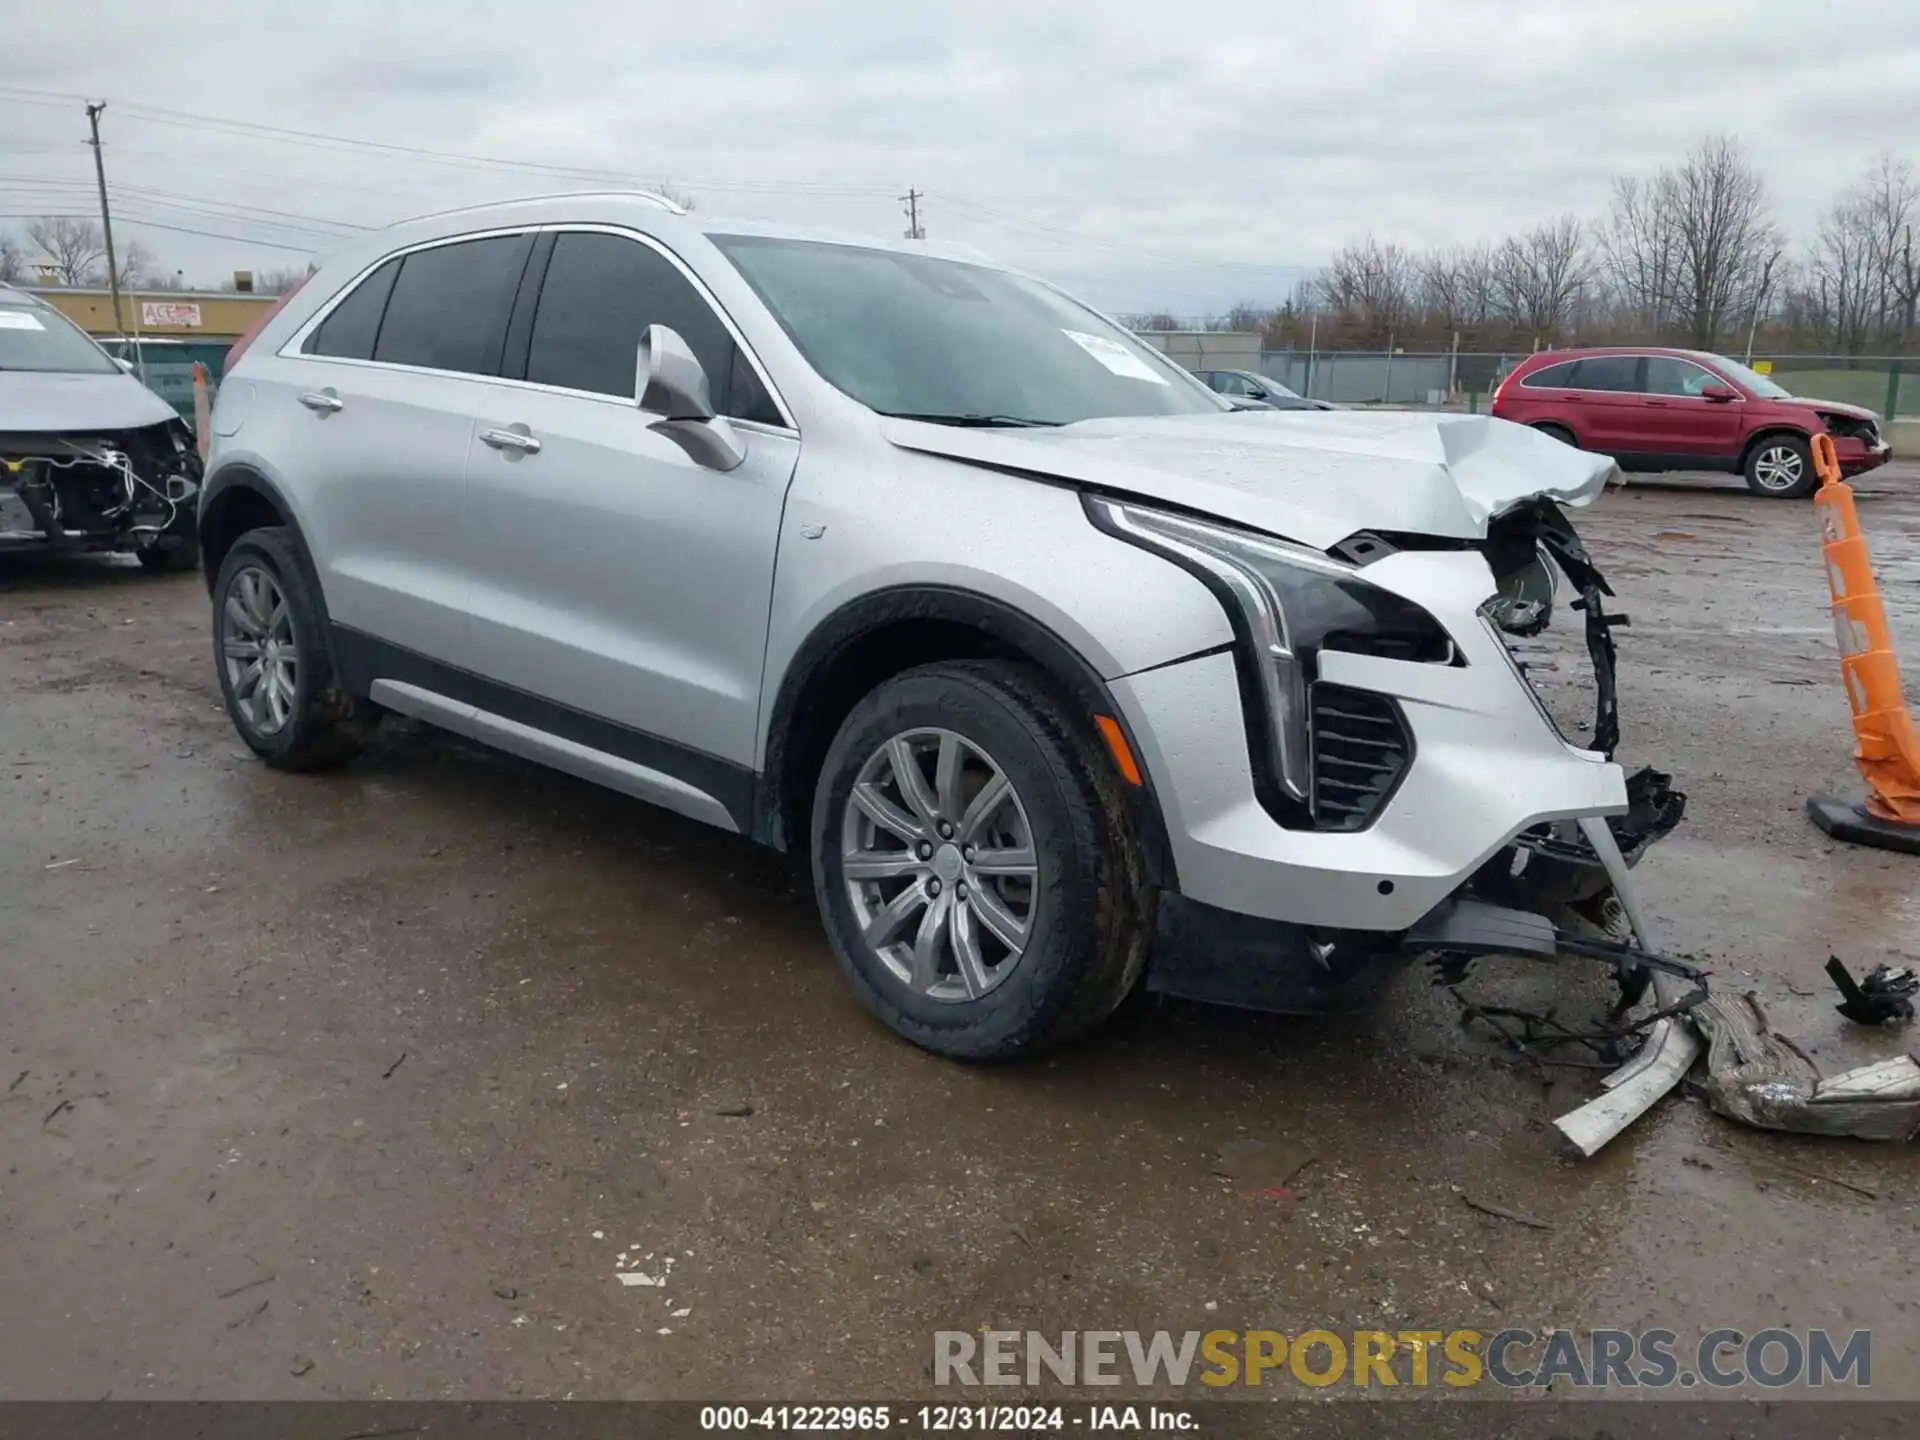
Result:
x=349 y=331
x=1550 y=377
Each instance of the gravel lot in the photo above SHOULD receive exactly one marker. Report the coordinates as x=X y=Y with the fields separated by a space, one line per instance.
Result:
x=369 y=1084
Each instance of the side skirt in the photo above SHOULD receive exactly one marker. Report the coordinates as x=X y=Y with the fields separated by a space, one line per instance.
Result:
x=675 y=777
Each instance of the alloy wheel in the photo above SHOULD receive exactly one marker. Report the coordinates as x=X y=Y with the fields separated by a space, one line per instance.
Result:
x=1778 y=468
x=258 y=649
x=939 y=864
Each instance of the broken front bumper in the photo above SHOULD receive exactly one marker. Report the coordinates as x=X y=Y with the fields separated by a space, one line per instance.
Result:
x=132 y=490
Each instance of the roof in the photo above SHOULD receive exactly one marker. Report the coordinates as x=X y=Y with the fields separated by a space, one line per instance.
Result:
x=655 y=214
x=1581 y=352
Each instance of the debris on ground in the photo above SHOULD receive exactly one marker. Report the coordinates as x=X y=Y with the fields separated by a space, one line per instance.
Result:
x=734 y=1109
x=1501 y=1212
x=1262 y=1164
x=1885 y=997
x=1763 y=1079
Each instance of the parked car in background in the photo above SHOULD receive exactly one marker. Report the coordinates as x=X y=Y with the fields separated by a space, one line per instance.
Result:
x=1251 y=385
x=914 y=566
x=1659 y=409
x=90 y=459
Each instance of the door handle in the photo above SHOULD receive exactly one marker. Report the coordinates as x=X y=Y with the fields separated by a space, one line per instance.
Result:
x=518 y=441
x=322 y=402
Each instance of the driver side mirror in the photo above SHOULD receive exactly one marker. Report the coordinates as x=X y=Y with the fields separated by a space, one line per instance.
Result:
x=669 y=382
x=1719 y=393
x=126 y=365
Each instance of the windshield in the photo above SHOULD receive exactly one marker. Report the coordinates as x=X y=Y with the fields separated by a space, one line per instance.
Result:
x=1752 y=379
x=33 y=337
x=942 y=340
x=1274 y=387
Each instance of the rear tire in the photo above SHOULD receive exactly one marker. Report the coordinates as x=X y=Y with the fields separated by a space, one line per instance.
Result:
x=1780 y=467
x=270 y=651
x=946 y=884
x=1560 y=433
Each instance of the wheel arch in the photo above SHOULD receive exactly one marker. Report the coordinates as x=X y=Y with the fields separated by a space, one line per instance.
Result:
x=238 y=498
x=1772 y=430
x=886 y=632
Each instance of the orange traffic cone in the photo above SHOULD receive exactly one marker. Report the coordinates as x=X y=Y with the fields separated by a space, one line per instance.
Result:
x=1886 y=746
x=202 y=409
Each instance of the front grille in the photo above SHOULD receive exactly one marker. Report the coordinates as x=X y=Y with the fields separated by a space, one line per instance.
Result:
x=1361 y=750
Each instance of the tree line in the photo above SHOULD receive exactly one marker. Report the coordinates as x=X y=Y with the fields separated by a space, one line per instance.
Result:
x=67 y=250
x=1691 y=255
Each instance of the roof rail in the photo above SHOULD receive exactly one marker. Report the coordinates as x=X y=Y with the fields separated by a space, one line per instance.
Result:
x=652 y=197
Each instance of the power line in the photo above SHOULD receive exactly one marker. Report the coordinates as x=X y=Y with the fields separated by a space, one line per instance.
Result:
x=158 y=225
x=219 y=209
x=319 y=139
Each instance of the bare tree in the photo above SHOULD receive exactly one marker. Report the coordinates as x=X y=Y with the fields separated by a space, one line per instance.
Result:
x=1457 y=288
x=1688 y=248
x=1888 y=204
x=1370 y=285
x=664 y=189
x=73 y=248
x=278 y=282
x=1539 y=277
x=1840 y=289
x=13 y=264
x=136 y=264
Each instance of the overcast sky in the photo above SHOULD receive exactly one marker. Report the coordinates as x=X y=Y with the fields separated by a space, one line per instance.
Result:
x=1183 y=156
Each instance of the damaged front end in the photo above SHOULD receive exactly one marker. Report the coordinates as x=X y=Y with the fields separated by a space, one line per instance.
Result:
x=130 y=490
x=1563 y=889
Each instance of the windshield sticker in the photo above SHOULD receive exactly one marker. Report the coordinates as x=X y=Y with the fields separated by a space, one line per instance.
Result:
x=1115 y=356
x=19 y=320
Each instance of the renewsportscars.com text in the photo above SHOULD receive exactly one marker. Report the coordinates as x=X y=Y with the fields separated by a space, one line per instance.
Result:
x=1515 y=1359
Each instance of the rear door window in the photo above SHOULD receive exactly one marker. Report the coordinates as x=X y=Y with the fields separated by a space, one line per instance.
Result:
x=601 y=291
x=1668 y=375
x=1608 y=372
x=350 y=329
x=1553 y=377
x=450 y=303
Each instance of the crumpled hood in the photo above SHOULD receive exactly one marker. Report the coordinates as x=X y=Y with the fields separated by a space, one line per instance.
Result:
x=42 y=400
x=1833 y=407
x=1315 y=478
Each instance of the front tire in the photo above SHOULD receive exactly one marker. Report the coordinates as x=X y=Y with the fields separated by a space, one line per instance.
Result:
x=976 y=865
x=1781 y=468
x=270 y=651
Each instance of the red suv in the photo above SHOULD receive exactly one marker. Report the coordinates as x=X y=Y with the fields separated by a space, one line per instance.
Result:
x=1654 y=409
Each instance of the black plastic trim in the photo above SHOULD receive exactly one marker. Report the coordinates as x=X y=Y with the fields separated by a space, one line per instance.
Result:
x=361 y=659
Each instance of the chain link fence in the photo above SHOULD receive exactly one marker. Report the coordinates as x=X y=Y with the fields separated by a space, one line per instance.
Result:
x=1461 y=380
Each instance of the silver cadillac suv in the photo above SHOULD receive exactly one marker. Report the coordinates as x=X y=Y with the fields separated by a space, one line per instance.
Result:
x=1060 y=673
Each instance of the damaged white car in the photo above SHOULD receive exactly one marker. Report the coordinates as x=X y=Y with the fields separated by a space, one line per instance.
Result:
x=1063 y=676
x=90 y=459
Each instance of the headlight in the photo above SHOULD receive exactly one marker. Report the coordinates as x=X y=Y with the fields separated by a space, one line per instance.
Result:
x=1287 y=603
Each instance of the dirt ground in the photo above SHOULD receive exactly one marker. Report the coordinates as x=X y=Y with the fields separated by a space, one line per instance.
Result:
x=369 y=1084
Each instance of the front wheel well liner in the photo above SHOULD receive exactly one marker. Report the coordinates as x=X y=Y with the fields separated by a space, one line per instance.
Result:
x=880 y=635
x=237 y=500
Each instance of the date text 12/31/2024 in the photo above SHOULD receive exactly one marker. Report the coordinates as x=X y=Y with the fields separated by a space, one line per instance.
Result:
x=944 y=1419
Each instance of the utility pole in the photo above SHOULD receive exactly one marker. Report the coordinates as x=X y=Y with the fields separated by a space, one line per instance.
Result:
x=106 y=216
x=912 y=199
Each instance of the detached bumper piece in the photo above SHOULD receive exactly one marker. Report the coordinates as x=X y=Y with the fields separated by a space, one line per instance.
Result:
x=1764 y=1080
